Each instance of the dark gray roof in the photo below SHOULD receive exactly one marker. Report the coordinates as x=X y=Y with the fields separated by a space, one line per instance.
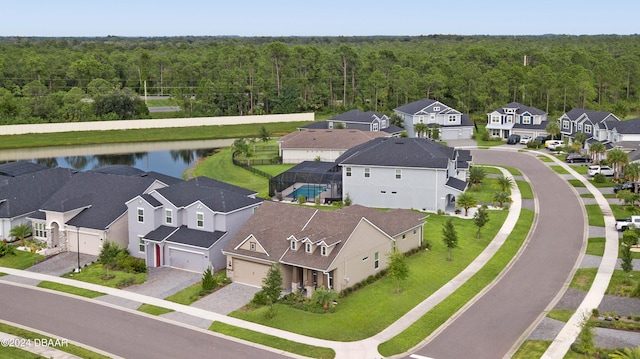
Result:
x=19 y=168
x=207 y=191
x=151 y=200
x=210 y=182
x=358 y=116
x=540 y=126
x=24 y=194
x=122 y=170
x=453 y=182
x=634 y=155
x=185 y=235
x=399 y=152
x=594 y=116
x=416 y=106
x=520 y=109
x=393 y=129
x=626 y=127
x=168 y=180
x=103 y=196
x=464 y=155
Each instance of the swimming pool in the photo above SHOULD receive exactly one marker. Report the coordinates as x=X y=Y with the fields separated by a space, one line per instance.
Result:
x=309 y=191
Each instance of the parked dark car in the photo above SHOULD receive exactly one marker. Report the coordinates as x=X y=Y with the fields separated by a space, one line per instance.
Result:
x=576 y=157
x=629 y=186
x=513 y=139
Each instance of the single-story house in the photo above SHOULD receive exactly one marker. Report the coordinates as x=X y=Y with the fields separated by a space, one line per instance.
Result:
x=315 y=248
x=187 y=224
x=453 y=124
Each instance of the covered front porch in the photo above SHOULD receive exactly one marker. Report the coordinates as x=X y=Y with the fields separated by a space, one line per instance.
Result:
x=307 y=280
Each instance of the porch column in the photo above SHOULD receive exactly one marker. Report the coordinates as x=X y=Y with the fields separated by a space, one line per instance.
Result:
x=294 y=279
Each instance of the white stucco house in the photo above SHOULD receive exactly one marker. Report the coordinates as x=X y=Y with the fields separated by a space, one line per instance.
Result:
x=453 y=124
x=411 y=173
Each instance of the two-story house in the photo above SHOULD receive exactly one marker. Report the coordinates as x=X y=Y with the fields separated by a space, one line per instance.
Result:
x=596 y=125
x=453 y=124
x=315 y=248
x=357 y=120
x=412 y=173
x=187 y=224
x=517 y=119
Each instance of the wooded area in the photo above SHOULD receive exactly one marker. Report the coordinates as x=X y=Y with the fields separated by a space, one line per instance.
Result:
x=85 y=79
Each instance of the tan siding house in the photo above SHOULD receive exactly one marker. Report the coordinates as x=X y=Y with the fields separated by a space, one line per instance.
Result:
x=331 y=249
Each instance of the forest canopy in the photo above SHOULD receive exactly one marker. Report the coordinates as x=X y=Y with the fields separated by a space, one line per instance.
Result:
x=87 y=79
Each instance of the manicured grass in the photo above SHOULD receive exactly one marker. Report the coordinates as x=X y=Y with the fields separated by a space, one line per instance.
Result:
x=594 y=214
x=220 y=167
x=582 y=169
x=273 y=170
x=544 y=158
x=620 y=211
x=188 y=295
x=562 y=315
x=583 y=278
x=15 y=353
x=607 y=183
x=587 y=195
x=560 y=170
x=485 y=192
x=576 y=183
x=272 y=341
x=70 y=289
x=525 y=190
x=595 y=246
x=532 y=349
x=3 y=274
x=443 y=311
x=153 y=309
x=26 y=334
x=146 y=135
x=21 y=260
x=514 y=171
x=623 y=284
x=94 y=273
x=374 y=307
x=609 y=195
x=491 y=170
x=162 y=102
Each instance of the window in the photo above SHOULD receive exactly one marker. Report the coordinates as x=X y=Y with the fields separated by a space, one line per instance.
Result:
x=348 y=171
x=307 y=247
x=404 y=236
x=140 y=215
x=252 y=246
x=452 y=118
x=579 y=127
x=587 y=128
x=421 y=119
x=367 y=172
x=565 y=125
x=375 y=127
x=200 y=219
x=398 y=174
x=376 y=261
x=436 y=108
x=168 y=216
x=141 y=244
x=40 y=230
x=323 y=250
x=509 y=118
x=495 y=119
x=294 y=245
x=526 y=120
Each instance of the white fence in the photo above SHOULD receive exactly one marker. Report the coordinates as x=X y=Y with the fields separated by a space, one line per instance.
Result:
x=160 y=123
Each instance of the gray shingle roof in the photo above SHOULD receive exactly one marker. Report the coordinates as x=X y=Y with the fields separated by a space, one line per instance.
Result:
x=358 y=116
x=208 y=192
x=104 y=196
x=328 y=139
x=520 y=109
x=25 y=193
x=185 y=235
x=19 y=168
x=399 y=152
x=416 y=106
x=626 y=127
x=594 y=116
x=457 y=184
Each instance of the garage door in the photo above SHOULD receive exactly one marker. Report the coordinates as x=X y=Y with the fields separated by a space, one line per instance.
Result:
x=187 y=260
x=250 y=273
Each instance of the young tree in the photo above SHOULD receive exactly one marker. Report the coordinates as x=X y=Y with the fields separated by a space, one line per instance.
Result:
x=553 y=129
x=272 y=286
x=481 y=218
x=20 y=232
x=466 y=200
x=398 y=267
x=629 y=199
x=504 y=183
x=629 y=238
x=449 y=237
x=585 y=342
x=264 y=134
x=324 y=297
x=208 y=280
x=435 y=132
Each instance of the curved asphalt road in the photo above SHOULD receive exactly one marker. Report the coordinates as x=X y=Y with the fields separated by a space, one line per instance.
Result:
x=497 y=320
x=113 y=330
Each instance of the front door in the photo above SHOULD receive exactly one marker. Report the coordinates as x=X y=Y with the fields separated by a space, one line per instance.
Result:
x=157 y=255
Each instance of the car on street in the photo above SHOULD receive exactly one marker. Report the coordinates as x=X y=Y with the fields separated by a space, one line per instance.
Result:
x=513 y=139
x=605 y=170
x=628 y=186
x=525 y=139
x=576 y=157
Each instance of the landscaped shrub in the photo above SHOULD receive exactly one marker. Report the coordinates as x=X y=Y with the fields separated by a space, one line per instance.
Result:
x=125 y=282
x=302 y=199
x=260 y=299
x=599 y=178
x=6 y=249
x=208 y=281
x=534 y=144
x=113 y=257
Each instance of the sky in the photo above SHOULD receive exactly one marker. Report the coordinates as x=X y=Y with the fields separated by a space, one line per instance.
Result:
x=133 y=18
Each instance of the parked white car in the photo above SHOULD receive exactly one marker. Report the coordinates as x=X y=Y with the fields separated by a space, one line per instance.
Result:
x=605 y=170
x=525 y=139
x=554 y=144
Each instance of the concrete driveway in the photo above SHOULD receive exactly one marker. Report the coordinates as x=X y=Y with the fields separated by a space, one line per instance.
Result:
x=165 y=281
x=62 y=263
x=226 y=300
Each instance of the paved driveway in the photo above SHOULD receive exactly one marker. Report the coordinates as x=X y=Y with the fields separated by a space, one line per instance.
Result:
x=62 y=263
x=165 y=281
x=226 y=300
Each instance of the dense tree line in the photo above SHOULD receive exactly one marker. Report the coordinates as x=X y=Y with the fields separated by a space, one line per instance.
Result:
x=80 y=79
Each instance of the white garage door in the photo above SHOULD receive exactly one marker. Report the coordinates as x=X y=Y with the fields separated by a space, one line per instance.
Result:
x=250 y=273
x=188 y=260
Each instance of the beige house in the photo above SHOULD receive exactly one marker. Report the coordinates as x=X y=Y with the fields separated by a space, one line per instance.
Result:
x=326 y=145
x=315 y=248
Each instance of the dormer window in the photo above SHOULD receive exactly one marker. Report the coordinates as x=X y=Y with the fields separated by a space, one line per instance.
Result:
x=323 y=250
x=252 y=246
x=307 y=247
x=436 y=108
x=294 y=245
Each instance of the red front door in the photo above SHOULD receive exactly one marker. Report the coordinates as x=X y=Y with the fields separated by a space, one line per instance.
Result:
x=157 y=255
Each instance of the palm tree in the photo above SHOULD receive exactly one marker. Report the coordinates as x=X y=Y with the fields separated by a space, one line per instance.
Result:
x=578 y=141
x=476 y=175
x=20 y=232
x=466 y=200
x=618 y=158
x=596 y=150
x=501 y=198
x=504 y=182
x=632 y=173
x=420 y=129
x=626 y=353
x=553 y=129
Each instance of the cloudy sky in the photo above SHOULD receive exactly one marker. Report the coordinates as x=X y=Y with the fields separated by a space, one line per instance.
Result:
x=316 y=18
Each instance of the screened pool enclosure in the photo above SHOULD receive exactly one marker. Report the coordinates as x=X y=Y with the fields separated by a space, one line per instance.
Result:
x=311 y=179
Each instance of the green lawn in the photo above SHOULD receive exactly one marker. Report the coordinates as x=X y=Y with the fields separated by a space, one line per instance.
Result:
x=153 y=309
x=273 y=170
x=525 y=189
x=587 y=195
x=373 y=308
x=562 y=315
x=289 y=346
x=544 y=158
x=188 y=295
x=582 y=169
x=21 y=260
x=23 y=333
x=596 y=246
x=594 y=214
x=559 y=170
x=95 y=273
x=532 y=349
x=485 y=192
x=576 y=183
x=623 y=284
x=583 y=278
x=70 y=289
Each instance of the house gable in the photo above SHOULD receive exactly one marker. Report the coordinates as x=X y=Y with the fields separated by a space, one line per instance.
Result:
x=252 y=244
